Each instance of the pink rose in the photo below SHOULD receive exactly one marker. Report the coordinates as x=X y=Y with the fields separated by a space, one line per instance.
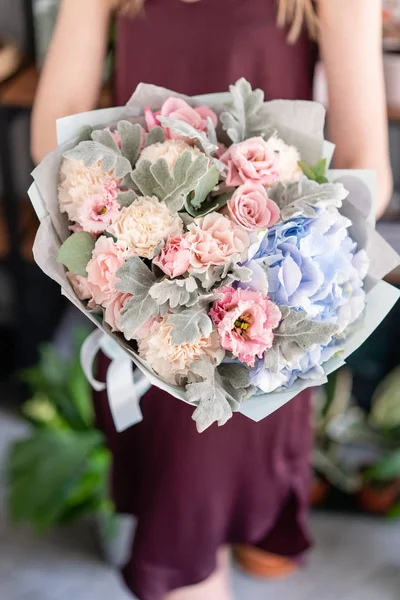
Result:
x=178 y=109
x=251 y=208
x=245 y=320
x=113 y=309
x=214 y=240
x=251 y=160
x=99 y=210
x=107 y=257
x=80 y=285
x=174 y=258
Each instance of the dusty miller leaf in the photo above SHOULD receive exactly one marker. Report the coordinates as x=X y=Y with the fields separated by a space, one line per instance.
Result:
x=175 y=292
x=106 y=138
x=304 y=197
x=246 y=117
x=155 y=179
x=186 y=130
x=76 y=252
x=92 y=152
x=126 y=198
x=223 y=275
x=211 y=204
x=190 y=324
x=237 y=375
x=204 y=187
x=212 y=404
x=131 y=137
x=297 y=333
x=137 y=279
x=155 y=136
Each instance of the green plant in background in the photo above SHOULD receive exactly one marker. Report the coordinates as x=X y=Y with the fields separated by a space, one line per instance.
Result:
x=60 y=472
x=354 y=449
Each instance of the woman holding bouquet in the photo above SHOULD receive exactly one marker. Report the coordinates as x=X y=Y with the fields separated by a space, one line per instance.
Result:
x=245 y=484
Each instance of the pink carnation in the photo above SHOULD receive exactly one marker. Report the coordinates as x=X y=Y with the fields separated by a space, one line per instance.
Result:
x=107 y=257
x=174 y=258
x=251 y=208
x=245 y=320
x=113 y=309
x=215 y=240
x=251 y=160
x=176 y=108
x=101 y=209
x=81 y=286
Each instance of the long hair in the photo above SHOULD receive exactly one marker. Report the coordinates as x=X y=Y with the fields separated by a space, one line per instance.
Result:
x=290 y=12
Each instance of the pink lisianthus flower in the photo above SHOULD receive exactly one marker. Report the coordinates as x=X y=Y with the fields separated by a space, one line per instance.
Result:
x=101 y=209
x=115 y=304
x=81 y=286
x=251 y=208
x=107 y=257
x=176 y=108
x=245 y=320
x=251 y=160
x=174 y=258
x=215 y=240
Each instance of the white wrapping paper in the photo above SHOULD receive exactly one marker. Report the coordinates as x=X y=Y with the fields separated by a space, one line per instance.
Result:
x=299 y=123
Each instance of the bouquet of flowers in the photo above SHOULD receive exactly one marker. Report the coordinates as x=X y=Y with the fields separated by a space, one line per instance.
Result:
x=207 y=237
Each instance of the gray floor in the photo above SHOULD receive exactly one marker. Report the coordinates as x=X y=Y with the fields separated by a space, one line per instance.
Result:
x=353 y=559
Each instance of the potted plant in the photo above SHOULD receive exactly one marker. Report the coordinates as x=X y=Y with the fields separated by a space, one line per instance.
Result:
x=60 y=472
x=331 y=402
x=381 y=490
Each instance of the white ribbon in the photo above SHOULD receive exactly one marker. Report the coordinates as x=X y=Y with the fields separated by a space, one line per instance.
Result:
x=125 y=387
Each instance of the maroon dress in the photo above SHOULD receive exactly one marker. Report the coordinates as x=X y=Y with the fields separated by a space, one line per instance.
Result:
x=244 y=482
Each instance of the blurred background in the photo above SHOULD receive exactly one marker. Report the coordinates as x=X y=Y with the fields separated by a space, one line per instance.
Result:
x=58 y=532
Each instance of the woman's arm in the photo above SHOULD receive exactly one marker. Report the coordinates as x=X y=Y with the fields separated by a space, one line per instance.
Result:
x=351 y=49
x=72 y=74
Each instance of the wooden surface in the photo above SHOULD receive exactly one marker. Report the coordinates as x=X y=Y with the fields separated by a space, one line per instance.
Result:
x=20 y=90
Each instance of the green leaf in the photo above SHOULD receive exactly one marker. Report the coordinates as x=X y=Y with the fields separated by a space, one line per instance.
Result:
x=317 y=172
x=303 y=198
x=294 y=336
x=126 y=198
x=385 y=413
x=155 y=136
x=204 y=187
x=105 y=151
x=136 y=279
x=155 y=179
x=131 y=137
x=247 y=116
x=394 y=512
x=76 y=252
x=211 y=204
x=386 y=469
x=185 y=130
x=190 y=324
x=43 y=470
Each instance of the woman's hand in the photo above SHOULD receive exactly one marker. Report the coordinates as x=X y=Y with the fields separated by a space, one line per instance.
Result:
x=72 y=75
x=351 y=49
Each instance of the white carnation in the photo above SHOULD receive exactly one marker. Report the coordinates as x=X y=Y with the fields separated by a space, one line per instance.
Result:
x=171 y=150
x=289 y=157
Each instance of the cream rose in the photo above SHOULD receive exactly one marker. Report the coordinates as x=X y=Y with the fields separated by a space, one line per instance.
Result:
x=144 y=224
x=172 y=362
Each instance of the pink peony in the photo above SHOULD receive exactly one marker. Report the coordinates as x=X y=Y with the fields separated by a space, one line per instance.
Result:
x=174 y=258
x=101 y=209
x=81 y=286
x=215 y=240
x=251 y=208
x=178 y=109
x=172 y=362
x=113 y=309
x=251 y=160
x=244 y=320
x=107 y=257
